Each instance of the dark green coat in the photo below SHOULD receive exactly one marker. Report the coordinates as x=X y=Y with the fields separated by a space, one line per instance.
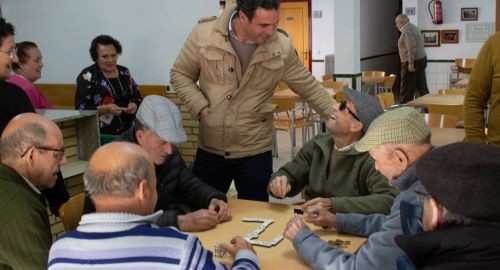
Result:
x=353 y=185
x=24 y=224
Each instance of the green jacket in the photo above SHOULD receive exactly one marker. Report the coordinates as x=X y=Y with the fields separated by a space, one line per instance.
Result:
x=24 y=224
x=484 y=89
x=353 y=185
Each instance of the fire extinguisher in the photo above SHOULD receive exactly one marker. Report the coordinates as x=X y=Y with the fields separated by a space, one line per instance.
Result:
x=438 y=12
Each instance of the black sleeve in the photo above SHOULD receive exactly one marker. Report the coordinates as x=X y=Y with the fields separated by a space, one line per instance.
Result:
x=13 y=101
x=57 y=195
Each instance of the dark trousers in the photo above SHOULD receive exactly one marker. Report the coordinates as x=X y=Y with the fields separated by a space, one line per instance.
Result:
x=413 y=83
x=250 y=174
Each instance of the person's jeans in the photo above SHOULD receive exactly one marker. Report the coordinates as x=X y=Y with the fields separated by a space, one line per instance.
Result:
x=250 y=174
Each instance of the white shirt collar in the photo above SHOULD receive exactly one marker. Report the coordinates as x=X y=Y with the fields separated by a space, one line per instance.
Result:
x=31 y=184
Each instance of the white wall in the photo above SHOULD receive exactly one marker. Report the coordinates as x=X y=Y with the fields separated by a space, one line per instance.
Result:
x=451 y=20
x=322 y=29
x=150 y=31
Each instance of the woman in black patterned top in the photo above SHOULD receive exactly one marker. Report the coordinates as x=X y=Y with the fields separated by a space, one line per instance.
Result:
x=108 y=87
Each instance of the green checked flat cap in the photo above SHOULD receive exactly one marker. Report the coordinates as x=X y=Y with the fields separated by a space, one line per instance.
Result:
x=398 y=126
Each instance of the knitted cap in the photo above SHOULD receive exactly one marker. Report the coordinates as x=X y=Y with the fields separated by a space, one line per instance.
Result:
x=464 y=178
x=367 y=108
x=163 y=117
x=398 y=126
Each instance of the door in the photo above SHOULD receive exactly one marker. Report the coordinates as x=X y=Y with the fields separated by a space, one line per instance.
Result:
x=294 y=19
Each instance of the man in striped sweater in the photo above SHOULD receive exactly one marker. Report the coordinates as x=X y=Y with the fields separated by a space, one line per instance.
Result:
x=121 y=233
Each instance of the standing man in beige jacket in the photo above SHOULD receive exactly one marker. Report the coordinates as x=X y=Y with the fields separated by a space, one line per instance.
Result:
x=237 y=60
x=413 y=60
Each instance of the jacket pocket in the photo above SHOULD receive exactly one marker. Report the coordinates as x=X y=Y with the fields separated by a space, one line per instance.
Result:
x=211 y=130
x=255 y=128
x=212 y=66
x=268 y=72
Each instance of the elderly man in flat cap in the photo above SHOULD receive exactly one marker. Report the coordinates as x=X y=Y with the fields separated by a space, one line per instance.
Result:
x=187 y=202
x=335 y=176
x=396 y=140
x=461 y=209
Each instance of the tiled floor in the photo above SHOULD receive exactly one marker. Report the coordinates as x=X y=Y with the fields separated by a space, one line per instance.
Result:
x=284 y=156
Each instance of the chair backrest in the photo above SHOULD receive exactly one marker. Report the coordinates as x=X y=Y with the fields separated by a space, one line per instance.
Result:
x=373 y=73
x=71 y=212
x=456 y=110
x=451 y=91
x=464 y=65
x=336 y=86
x=386 y=100
x=283 y=104
x=327 y=77
x=436 y=120
x=389 y=81
x=339 y=96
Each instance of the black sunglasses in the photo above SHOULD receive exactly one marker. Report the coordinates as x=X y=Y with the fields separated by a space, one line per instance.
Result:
x=343 y=106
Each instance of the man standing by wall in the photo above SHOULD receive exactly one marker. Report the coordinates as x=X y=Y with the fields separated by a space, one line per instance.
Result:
x=238 y=59
x=413 y=60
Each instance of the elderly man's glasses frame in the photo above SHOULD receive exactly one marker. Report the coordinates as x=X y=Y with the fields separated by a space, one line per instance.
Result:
x=59 y=153
x=343 y=106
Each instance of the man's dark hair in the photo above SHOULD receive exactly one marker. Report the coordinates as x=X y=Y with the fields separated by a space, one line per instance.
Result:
x=22 y=53
x=248 y=7
x=6 y=29
x=103 y=40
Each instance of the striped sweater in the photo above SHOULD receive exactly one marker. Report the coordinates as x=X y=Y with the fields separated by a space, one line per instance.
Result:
x=128 y=241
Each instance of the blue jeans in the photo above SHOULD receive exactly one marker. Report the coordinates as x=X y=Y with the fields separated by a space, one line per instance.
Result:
x=250 y=174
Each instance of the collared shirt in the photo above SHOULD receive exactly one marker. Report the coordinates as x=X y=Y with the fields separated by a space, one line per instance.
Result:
x=31 y=185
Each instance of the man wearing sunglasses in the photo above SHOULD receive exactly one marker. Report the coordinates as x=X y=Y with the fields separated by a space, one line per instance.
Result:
x=396 y=140
x=335 y=176
x=31 y=154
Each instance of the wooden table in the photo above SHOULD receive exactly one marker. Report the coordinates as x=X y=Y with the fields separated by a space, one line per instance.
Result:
x=424 y=101
x=443 y=136
x=281 y=256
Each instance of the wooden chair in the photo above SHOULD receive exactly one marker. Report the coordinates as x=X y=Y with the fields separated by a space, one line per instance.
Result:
x=451 y=91
x=373 y=78
x=435 y=120
x=386 y=100
x=456 y=110
x=464 y=65
x=336 y=86
x=388 y=83
x=288 y=118
x=339 y=96
x=71 y=212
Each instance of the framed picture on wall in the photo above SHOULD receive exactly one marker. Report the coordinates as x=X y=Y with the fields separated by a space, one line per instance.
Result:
x=478 y=32
x=449 y=36
x=469 y=14
x=431 y=38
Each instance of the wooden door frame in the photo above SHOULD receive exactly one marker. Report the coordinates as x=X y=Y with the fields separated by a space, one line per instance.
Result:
x=309 y=38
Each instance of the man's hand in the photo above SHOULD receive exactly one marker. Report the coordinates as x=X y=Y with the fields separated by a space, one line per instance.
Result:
x=200 y=220
x=204 y=111
x=237 y=244
x=411 y=67
x=113 y=109
x=280 y=186
x=313 y=205
x=221 y=208
x=293 y=227
x=323 y=218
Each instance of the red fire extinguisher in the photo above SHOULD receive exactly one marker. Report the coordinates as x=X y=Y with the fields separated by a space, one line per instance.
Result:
x=438 y=12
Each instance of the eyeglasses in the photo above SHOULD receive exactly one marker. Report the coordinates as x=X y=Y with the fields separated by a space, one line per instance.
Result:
x=11 y=53
x=59 y=153
x=343 y=106
x=421 y=196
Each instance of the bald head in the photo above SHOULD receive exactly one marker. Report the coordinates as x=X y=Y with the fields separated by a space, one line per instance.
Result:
x=403 y=19
x=25 y=130
x=116 y=169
